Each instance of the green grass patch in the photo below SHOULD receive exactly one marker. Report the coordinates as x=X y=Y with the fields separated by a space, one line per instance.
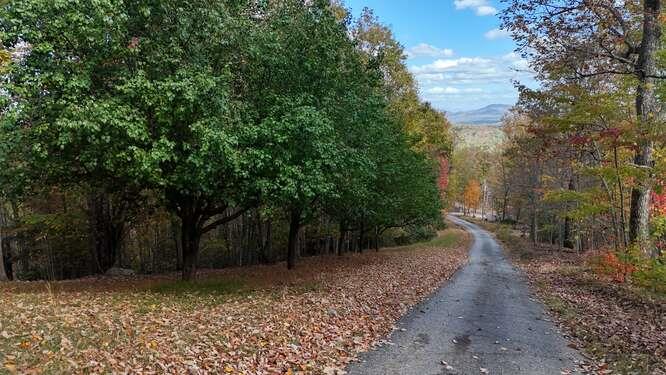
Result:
x=560 y=307
x=199 y=287
x=447 y=239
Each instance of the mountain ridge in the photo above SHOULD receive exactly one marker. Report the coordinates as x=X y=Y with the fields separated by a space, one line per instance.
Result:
x=489 y=115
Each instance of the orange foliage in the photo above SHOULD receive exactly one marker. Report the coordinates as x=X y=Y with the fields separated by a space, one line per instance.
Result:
x=609 y=264
x=472 y=194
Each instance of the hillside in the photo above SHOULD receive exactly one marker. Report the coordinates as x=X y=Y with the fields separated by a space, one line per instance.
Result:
x=488 y=136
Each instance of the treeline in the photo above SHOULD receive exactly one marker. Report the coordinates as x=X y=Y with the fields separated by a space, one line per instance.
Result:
x=162 y=135
x=584 y=163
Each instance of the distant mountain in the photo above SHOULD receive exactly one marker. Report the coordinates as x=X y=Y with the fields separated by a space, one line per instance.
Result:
x=488 y=115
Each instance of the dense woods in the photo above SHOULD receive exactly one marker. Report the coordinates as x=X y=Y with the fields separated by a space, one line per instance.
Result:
x=583 y=163
x=172 y=135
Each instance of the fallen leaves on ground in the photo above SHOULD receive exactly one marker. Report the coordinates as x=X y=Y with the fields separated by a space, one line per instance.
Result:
x=312 y=320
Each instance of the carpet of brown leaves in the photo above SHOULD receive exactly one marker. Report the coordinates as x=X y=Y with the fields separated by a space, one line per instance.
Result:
x=254 y=320
x=622 y=328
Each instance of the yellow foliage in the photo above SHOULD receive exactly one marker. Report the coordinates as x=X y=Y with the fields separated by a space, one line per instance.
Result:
x=472 y=194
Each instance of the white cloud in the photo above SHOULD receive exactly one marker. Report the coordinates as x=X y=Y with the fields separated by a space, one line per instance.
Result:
x=516 y=62
x=437 y=90
x=486 y=10
x=424 y=49
x=462 y=4
x=481 y=7
x=496 y=34
x=442 y=65
x=443 y=90
x=472 y=81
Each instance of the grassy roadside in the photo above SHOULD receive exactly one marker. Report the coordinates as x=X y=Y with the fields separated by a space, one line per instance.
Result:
x=621 y=327
x=253 y=320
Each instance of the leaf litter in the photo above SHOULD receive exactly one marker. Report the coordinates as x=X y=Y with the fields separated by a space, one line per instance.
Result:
x=314 y=320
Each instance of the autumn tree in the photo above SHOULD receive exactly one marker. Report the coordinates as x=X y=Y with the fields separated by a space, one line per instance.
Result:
x=577 y=40
x=472 y=195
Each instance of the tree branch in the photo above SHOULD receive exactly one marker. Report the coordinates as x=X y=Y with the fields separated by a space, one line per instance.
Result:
x=223 y=220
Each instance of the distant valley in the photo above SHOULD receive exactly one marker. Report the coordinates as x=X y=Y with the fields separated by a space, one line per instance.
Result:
x=479 y=127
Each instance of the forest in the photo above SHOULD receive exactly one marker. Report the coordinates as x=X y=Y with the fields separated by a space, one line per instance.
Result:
x=130 y=141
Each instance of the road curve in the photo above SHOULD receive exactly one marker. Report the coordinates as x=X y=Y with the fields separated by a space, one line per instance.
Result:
x=482 y=321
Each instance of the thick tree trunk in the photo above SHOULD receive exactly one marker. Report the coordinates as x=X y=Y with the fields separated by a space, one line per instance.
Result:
x=106 y=231
x=190 y=239
x=294 y=228
x=647 y=109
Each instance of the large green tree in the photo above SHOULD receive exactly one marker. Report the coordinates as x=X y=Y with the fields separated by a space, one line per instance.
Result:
x=133 y=94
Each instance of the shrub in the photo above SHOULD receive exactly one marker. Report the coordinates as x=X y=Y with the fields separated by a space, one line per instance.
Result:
x=617 y=266
x=651 y=274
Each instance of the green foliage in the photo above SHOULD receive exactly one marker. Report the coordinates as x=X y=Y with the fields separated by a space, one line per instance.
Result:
x=651 y=274
x=213 y=107
x=581 y=204
x=299 y=160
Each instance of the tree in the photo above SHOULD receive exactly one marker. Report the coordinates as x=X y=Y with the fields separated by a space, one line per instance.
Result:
x=578 y=39
x=472 y=195
x=316 y=128
x=133 y=97
x=300 y=160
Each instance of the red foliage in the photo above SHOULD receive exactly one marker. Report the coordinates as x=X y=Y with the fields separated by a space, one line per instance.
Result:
x=659 y=202
x=579 y=140
x=608 y=263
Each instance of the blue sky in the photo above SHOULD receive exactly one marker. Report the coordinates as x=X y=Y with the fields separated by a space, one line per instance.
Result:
x=456 y=51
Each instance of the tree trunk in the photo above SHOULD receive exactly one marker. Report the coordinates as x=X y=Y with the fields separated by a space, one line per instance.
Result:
x=647 y=109
x=567 y=242
x=294 y=228
x=533 y=225
x=3 y=272
x=504 y=203
x=341 y=239
x=268 y=243
x=4 y=276
x=361 y=237
x=620 y=187
x=190 y=239
x=106 y=231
